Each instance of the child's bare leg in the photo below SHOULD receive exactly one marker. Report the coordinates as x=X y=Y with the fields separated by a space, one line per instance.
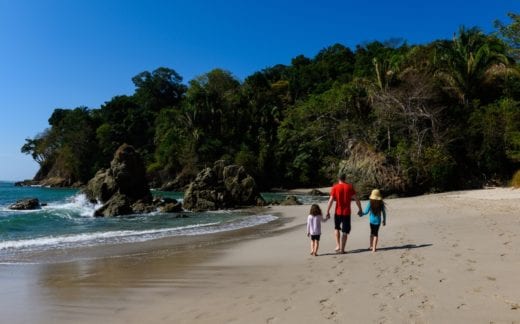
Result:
x=316 y=248
x=312 y=247
x=374 y=244
x=371 y=238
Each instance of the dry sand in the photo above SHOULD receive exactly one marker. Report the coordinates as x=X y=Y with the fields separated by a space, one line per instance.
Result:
x=444 y=258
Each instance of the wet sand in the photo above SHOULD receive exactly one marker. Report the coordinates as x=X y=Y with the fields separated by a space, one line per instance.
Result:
x=445 y=258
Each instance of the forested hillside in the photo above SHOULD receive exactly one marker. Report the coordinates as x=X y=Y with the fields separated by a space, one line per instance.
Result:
x=407 y=119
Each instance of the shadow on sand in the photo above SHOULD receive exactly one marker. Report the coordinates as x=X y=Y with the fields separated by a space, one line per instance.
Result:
x=388 y=248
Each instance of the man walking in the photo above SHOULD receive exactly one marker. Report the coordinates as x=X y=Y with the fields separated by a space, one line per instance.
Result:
x=342 y=193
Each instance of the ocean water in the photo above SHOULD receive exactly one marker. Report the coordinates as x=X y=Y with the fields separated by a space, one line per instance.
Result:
x=67 y=222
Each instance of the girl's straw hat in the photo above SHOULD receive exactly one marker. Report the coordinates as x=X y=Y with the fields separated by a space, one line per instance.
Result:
x=375 y=195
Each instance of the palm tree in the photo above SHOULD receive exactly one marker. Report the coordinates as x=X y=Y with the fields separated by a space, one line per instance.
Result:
x=470 y=61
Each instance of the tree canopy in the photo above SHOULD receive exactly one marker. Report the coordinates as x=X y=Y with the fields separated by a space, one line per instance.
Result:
x=405 y=118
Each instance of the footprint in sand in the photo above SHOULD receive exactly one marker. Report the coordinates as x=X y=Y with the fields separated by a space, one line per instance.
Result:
x=425 y=304
x=327 y=309
x=462 y=306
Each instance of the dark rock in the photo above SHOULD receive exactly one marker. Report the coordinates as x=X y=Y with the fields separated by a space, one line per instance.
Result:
x=223 y=186
x=115 y=206
x=56 y=182
x=171 y=207
x=316 y=192
x=26 y=183
x=123 y=188
x=290 y=201
x=180 y=183
x=167 y=205
x=26 y=204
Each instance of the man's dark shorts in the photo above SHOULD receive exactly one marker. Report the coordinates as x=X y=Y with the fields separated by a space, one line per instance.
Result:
x=342 y=223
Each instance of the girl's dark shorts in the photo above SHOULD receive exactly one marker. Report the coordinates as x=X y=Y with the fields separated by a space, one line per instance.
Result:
x=315 y=237
x=374 y=229
x=342 y=223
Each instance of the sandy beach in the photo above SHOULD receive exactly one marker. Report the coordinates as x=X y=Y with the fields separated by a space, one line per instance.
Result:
x=442 y=258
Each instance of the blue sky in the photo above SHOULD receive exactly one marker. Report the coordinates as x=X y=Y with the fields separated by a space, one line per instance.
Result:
x=70 y=53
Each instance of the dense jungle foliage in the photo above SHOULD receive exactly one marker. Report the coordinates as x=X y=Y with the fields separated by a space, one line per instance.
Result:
x=407 y=119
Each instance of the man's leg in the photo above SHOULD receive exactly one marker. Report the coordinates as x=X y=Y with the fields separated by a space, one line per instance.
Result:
x=337 y=236
x=344 y=238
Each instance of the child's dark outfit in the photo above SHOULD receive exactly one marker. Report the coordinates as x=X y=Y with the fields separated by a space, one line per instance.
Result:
x=375 y=220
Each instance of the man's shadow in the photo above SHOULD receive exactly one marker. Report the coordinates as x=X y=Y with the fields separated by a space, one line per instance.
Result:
x=388 y=248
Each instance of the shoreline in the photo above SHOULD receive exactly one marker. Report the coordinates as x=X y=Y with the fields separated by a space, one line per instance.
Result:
x=448 y=257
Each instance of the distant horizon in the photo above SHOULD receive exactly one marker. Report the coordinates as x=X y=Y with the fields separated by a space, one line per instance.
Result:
x=83 y=53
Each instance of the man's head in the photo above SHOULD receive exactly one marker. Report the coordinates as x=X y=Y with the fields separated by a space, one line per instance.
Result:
x=342 y=177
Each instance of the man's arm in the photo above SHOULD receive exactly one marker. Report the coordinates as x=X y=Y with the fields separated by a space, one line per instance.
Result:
x=329 y=205
x=358 y=203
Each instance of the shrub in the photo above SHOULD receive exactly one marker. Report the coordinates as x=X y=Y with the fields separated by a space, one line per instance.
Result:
x=368 y=169
x=516 y=180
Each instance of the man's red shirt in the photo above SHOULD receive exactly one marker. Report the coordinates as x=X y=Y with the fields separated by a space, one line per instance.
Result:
x=342 y=193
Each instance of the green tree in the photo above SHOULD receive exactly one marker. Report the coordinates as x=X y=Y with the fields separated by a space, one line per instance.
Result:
x=159 y=89
x=213 y=101
x=471 y=62
x=511 y=34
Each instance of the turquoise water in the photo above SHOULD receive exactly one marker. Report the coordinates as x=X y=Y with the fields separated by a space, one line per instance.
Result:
x=66 y=221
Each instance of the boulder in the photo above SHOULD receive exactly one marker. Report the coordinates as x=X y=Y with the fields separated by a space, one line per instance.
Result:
x=26 y=204
x=290 y=201
x=171 y=208
x=123 y=188
x=316 y=192
x=167 y=205
x=222 y=186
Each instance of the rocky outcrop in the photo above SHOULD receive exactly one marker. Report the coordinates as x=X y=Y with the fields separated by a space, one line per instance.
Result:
x=220 y=187
x=123 y=188
x=26 y=204
x=316 y=192
x=168 y=205
x=27 y=183
x=57 y=182
x=290 y=201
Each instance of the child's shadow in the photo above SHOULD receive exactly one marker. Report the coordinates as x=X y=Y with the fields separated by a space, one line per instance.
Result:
x=388 y=248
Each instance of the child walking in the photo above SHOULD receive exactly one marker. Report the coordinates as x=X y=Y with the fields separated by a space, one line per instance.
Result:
x=314 y=227
x=376 y=208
